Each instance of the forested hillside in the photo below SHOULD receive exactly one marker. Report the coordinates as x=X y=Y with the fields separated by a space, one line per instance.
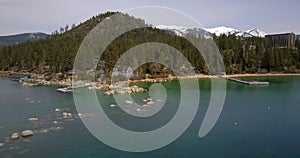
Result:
x=56 y=53
x=250 y=55
x=53 y=54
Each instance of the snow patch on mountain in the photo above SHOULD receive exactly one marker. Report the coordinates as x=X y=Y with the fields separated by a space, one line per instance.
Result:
x=227 y=31
x=222 y=30
x=256 y=32
x=208 y=32
x=178 y=30
x=182 y=31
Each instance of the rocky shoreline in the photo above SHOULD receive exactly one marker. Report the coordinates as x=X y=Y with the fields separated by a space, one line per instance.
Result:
x=124 y=86
x=68 y=82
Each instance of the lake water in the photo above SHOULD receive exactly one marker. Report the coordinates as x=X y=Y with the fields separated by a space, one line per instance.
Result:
x=255 y=122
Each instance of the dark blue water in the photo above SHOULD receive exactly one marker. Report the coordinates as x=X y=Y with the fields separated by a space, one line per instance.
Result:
x=255 y=122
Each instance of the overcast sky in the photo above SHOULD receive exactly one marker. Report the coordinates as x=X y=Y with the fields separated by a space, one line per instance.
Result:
x=271 y=16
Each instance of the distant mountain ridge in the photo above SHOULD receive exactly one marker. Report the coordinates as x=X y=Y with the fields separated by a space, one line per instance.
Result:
x=181 y=31
x=20 y=38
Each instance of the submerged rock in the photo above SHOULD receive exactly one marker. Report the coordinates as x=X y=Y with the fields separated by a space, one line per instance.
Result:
x=110 y=92
x=6 y=139
x=65 y=114
x=33 y=119
x=55 y=128
x=26 y=133
x=145 y=105
x=23 y=151
x=149 y=99
x=57 y=110
x=120 y=91
x=43 y=131
x=128 y=102
x=15 y=136
x=112 y=105
x=150 y=102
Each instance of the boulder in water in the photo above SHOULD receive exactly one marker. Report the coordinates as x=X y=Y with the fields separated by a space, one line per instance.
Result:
x=15 y=136
x=26 y=133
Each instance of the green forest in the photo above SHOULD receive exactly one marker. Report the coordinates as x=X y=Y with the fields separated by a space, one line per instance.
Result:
x=56 y=53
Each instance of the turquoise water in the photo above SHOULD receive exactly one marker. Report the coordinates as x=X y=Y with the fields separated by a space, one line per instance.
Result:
x=255 y=122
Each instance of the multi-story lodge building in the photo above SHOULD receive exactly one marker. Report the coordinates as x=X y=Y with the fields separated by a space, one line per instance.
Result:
x=286 y=40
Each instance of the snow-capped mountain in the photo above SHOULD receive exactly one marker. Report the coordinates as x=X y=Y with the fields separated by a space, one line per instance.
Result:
x=222 y=30
x=256 y=32
x=182 y=31
x=227 y=30
x=208 y=32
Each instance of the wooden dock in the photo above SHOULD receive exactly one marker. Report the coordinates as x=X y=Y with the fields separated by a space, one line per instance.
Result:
x=70 y=88
x=254 y=83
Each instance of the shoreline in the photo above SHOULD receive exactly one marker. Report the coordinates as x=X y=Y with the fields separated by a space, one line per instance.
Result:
x=129 y=86
x=263 y=75
x=66 y=83
x=202 y=76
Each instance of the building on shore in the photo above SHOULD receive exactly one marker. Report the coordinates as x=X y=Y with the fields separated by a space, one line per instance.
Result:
x=286 y=40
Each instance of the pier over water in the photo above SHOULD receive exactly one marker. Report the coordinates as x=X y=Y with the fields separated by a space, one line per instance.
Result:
x=254 y=83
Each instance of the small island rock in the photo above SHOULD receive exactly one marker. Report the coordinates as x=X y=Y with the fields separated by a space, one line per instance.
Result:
x=15 y=136
x=26 y=133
